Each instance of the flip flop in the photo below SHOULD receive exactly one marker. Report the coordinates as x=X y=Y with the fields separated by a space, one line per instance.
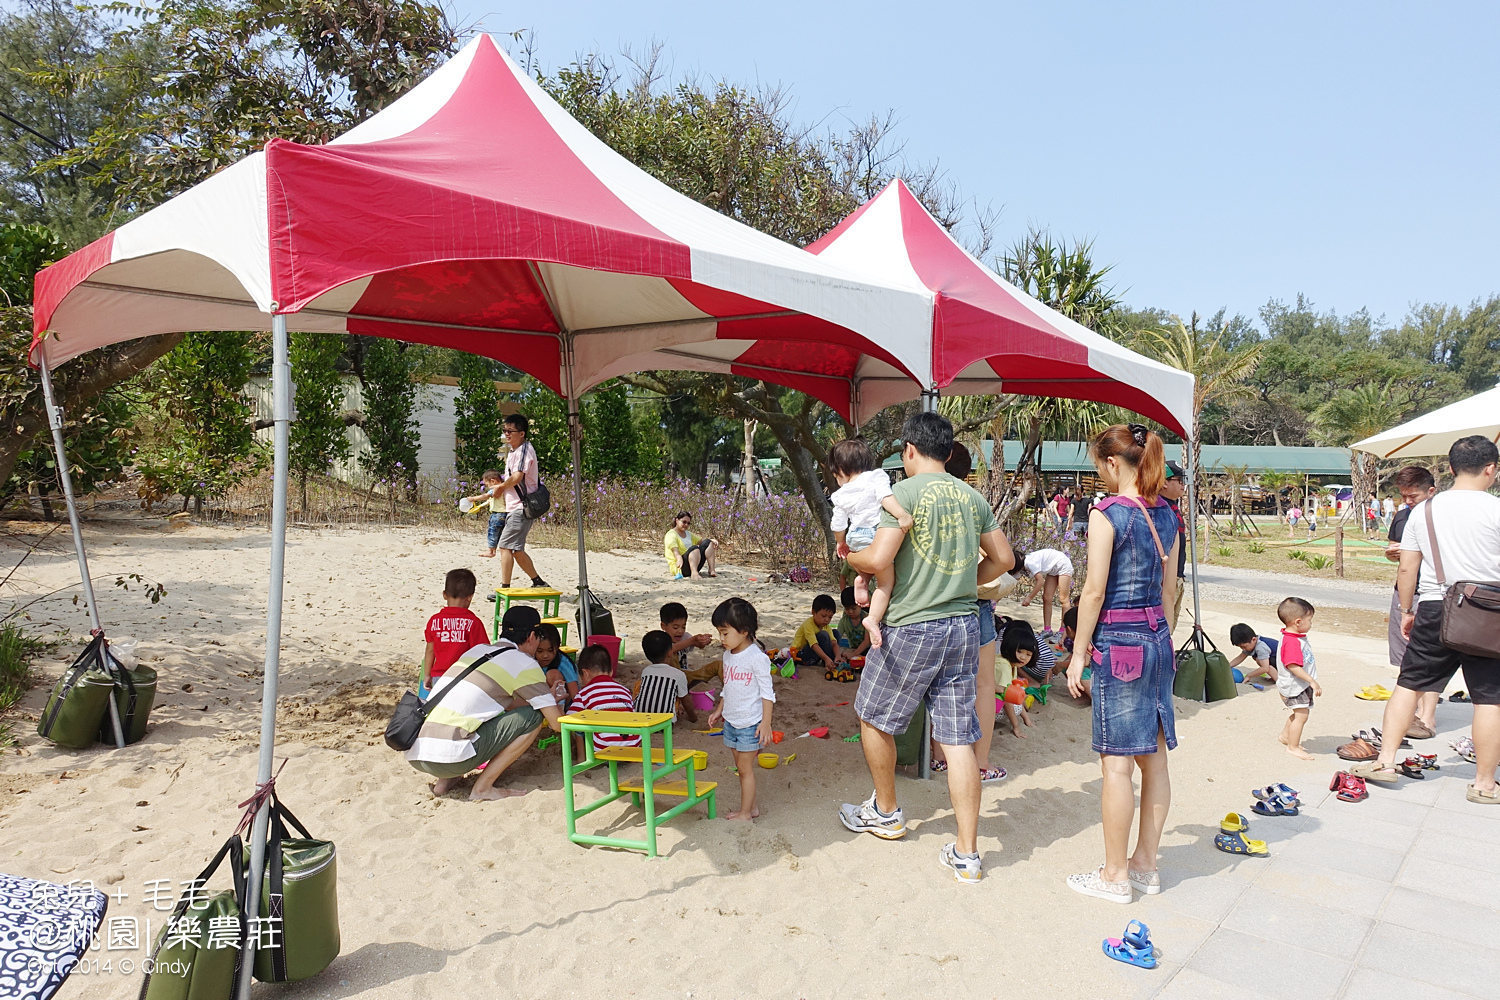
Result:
x=1235 y=843
x=1458 y=696
x=1409 y=771
x=1134 y=948
x=1233 y=823
x=1274 y=807
x=1375 y=692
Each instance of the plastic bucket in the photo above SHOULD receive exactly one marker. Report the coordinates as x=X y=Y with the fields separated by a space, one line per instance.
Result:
x=611 y=643
x=702 y=701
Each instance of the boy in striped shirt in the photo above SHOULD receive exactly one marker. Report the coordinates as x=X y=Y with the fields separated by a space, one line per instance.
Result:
x=600 y=692
x=663 y=687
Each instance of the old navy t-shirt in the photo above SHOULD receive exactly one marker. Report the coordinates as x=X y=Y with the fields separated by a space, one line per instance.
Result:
x=937 y=562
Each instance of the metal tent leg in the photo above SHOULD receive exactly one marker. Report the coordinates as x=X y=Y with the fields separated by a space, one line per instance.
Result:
x=281 y=392
x=575 y=441
x=65 y=478
x=1192 y=526
x=924 y=754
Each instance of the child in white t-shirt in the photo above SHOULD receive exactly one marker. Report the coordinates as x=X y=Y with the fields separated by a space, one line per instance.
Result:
x=1052 y=576
x=863 y=492
x=747 y=698
x=1297 y=680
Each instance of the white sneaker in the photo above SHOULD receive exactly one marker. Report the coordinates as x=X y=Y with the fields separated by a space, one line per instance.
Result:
x=965 y=870
x=1093 y=884
x=866 y=818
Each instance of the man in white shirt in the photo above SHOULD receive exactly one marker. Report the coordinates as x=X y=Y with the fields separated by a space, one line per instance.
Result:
x=1466 y=520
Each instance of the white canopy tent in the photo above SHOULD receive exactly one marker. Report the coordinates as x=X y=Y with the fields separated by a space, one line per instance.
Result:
x=1434 y=433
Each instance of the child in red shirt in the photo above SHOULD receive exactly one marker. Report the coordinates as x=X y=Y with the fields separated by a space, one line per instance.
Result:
x=455 y=629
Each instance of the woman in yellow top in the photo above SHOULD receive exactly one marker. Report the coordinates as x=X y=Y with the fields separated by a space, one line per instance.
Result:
x=686 y=552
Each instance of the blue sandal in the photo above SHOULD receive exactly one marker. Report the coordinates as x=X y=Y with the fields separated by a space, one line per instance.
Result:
x=1133 y=947
x=1238 y=843
x=1278 y=791
x=1275 y=807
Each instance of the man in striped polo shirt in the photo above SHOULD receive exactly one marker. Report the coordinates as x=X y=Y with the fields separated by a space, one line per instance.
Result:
x=492 y=714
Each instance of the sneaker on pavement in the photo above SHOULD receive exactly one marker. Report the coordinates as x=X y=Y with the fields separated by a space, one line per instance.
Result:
x=867 y=818
x=1093 y=884
x=966 y=870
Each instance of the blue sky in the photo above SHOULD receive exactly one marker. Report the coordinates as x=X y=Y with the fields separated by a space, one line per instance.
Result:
x=1218 y=154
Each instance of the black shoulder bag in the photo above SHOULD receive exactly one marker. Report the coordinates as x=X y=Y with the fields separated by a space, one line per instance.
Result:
x=411 y=712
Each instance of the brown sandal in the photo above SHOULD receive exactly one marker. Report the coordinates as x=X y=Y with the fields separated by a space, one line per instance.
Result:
x=1420 y=731
x=1358 y=750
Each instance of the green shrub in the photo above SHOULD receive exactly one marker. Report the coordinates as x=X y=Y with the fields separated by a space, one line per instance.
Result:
x=1296 y=554
x=1224 y=551
x=1318 y=562
x=16 y=652
x=1257 y=547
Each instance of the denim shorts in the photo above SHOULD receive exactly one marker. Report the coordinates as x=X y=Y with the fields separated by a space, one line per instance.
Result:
x=986 y=623
x=936 y=662
x=497 y=524
x=743 y=739
x=859 y=538
x=1134 y=668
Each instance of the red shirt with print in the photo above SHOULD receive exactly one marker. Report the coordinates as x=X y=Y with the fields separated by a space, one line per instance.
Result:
x=452 y=632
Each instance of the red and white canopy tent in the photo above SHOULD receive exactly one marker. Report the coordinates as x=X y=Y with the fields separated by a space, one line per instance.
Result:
x=987 y=336
x=474 y=213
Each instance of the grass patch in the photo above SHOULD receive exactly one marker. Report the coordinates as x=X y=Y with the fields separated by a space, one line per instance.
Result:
x=1318 y=562
x=1257 y=547
x=1224 y=551
x=17 y=649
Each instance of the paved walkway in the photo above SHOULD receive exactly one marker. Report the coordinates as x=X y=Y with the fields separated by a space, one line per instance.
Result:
x=1222 y=583
x=1393 y=898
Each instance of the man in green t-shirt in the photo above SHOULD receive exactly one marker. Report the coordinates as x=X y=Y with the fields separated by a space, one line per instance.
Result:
x=928 y=650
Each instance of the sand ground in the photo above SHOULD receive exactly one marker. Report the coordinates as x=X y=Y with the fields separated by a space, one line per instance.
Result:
x=444 y=898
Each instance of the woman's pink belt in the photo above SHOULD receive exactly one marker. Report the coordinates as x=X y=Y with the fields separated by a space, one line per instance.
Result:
x=1132 y=616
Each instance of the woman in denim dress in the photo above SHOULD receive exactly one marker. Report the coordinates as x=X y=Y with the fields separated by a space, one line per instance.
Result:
x=1122 y=608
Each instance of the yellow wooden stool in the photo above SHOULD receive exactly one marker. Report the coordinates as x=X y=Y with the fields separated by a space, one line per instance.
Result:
x=551 y=601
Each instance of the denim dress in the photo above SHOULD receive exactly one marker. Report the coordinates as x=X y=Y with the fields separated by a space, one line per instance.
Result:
x=1134 y=665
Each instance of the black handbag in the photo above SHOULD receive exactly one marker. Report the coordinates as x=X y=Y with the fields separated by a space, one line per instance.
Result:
x=411 y=712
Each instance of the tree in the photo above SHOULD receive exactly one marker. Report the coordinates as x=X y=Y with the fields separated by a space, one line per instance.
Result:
x=390 y=413
x=98 y=427
x=317 y=435
x=209 y=441
x=611 y=448
x=66 y=71
x=479 y=422
x=1353 y=415
x=547 y=413
x=239 y=72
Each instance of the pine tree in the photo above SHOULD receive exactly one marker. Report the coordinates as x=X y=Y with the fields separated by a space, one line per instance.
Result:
x=209 y=440
x=612 y=445
x=318 y=438
x=479 y=424
x=390 y=407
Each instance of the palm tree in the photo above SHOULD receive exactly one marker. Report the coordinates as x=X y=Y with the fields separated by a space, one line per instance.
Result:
x=1220 y=374
x=1353 y=415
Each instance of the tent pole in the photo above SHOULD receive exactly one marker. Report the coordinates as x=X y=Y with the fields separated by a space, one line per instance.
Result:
x=924 y=753
x=65 y=478
x=281 y=395
x=575 y=441
x=1192 y=461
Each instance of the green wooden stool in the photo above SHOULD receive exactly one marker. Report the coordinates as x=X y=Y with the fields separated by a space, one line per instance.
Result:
x=642 y=792
x=550 y=599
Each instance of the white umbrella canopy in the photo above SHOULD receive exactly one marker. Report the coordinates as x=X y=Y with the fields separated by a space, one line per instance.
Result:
x=1434 y=433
